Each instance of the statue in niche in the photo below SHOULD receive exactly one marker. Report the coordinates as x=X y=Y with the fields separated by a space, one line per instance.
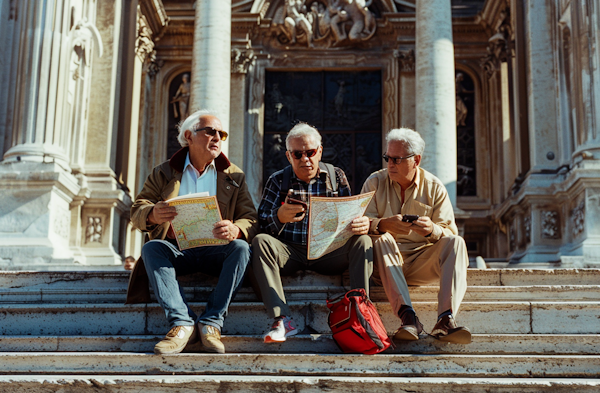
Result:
x=182 y=96
x=461 y=107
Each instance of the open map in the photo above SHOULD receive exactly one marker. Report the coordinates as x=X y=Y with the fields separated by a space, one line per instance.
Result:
x=330 y=219
x=194 y=222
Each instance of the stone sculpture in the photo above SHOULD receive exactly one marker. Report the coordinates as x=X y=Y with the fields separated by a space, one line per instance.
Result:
x=182 y=96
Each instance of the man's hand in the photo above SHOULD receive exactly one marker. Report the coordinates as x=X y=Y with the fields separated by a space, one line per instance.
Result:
x=287 y=213
x=360 y=225
x=394 y=225
x=161 y=213
x=226 y=230
x=423 y=226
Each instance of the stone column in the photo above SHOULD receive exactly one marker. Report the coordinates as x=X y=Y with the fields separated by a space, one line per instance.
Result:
x=37 y=184
x=436 y=98
x=211 y=63
x=241 y=60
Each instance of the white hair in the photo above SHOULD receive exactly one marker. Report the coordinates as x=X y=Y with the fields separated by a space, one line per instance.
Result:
x=411 y=139
x=302 y=129
x=191 y=122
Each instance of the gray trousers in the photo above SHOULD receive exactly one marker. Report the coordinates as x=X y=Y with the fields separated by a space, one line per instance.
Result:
x=273 y=258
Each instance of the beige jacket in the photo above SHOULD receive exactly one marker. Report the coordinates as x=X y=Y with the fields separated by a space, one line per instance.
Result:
x=427 y=196
x=163 y=183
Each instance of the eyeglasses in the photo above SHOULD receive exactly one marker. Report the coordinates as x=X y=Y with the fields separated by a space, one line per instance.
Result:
x=297 y=154
x=212 y=132
x=396 y=160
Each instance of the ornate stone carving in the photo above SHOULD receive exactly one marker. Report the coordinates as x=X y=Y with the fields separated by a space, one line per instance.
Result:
x=82 y=35
x=578 y=219
x=406 y=58
x=527 y=227
x=550 y=224
x=327 y=23
x=153 y=66
x=499 y=48
x=62 y=222
x=182 y=97
x=241 y=60
x=93 y=230
x=144 y=45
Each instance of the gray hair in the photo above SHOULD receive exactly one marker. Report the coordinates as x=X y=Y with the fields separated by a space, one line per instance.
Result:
x=411 y=139
x=191 y=122
x=302 y=129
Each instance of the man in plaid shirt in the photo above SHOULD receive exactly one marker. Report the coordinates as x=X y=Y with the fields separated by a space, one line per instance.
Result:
x=282 y=248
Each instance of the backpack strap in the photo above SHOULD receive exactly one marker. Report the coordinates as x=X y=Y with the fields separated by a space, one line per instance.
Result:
x=332 y=176
x=285 y=183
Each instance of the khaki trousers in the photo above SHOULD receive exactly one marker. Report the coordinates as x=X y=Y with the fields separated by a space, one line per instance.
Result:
x=444 y=262
x=273 y=258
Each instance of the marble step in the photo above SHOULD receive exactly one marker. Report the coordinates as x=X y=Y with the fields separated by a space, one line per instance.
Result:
x=287 y=384
x=119 y=280
x=389 y=365
x=310 y=316
x=482 y=344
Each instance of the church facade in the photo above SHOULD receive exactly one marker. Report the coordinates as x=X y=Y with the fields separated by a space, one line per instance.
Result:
x=506 y=93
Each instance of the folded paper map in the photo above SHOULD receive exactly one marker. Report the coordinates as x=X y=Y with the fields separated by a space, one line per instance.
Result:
x=196 y=216
x=330 y=219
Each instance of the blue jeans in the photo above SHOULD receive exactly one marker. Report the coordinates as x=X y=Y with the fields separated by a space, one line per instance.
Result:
x=164 y=262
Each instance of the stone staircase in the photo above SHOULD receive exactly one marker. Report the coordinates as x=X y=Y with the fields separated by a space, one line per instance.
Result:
x=534 y=330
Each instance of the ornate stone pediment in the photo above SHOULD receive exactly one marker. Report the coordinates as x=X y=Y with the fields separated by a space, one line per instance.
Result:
x=323 y=23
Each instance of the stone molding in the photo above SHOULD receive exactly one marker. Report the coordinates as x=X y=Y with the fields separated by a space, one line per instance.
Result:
x=406 y=57
x=241 y=60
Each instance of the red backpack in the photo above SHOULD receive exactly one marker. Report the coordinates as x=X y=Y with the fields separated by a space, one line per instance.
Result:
x=356 y=325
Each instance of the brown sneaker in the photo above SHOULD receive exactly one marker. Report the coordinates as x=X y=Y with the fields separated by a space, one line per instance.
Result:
x=175 y=340
x=211 y=338
x=410 y=329
x=446 y=330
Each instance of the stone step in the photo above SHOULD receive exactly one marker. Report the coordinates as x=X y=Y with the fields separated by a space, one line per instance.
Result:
x=558 y=293
x=482 y=344
x=287 y=384
x=390 y=365
x=310 y=317
x=118 y=280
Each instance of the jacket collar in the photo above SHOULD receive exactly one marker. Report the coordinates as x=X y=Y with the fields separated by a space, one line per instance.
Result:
x=177 y=162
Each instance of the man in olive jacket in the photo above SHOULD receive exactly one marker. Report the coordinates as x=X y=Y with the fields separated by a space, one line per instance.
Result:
x=199 y=166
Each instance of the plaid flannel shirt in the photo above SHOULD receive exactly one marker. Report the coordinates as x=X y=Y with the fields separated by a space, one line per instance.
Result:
x=295 y=232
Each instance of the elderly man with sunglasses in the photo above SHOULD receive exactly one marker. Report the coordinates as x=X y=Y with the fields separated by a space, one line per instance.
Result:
x=415 y=238
x=198 y=167
x=282 y=248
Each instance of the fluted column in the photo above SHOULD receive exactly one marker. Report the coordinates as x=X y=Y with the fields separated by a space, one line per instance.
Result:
x=211 y=63
x=35 y=123
x=436 y=105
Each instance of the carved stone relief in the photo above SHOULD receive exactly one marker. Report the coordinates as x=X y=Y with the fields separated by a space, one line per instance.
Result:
x=406 y=58
x=241 y=60
x=325 y=23
x=62 y=223
x=144 y=45
x=550 y=224
x=527 y=227
x=499 y=46
x=578 y=219
x=93 y=230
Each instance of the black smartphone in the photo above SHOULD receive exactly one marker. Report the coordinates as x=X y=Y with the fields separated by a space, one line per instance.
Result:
x=410 y=217
x=293 y=201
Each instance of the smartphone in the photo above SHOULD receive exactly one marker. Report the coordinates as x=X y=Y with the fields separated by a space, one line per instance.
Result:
x=410 y=217
x=293 y=201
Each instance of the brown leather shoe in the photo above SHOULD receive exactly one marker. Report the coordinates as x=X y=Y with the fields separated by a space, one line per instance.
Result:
x=446 y=330
x=175 y=340
x=410 y=329
x=211 y=338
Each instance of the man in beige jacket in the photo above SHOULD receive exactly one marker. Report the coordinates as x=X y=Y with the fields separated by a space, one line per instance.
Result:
x=415 y=238
x=198 y=167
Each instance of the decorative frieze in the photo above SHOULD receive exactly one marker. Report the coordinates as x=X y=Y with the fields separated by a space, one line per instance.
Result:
x=93 y=230
x=550 y=224
x=144 y=45
x=327 y=23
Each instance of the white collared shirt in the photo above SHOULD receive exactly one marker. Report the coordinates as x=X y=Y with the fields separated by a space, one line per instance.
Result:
x=192 y=182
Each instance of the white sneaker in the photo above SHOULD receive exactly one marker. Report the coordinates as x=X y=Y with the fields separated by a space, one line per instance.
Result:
x=282 y=328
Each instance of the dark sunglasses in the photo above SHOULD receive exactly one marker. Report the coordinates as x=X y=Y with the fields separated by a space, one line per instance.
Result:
x=212 y=132
x=297 y=154
x=396 y=160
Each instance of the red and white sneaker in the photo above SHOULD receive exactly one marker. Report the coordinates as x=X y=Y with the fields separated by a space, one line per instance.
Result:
x=282 y=328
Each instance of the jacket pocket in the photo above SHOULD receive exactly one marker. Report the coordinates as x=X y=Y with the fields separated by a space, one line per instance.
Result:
x=416 y=207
